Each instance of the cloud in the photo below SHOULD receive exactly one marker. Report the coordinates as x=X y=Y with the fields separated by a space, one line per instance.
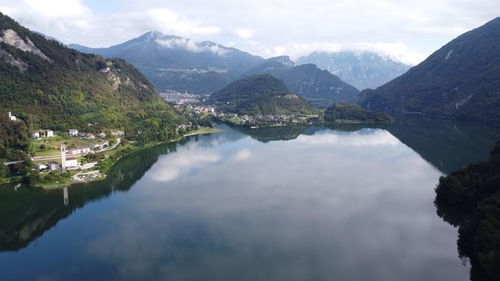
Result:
x=172 y=166
x=404 y=30
x=376 y=138
x=242 y=155
x=244 y=33
x=192 y=45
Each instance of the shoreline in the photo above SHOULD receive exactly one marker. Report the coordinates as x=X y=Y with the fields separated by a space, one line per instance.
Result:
x=103 y=175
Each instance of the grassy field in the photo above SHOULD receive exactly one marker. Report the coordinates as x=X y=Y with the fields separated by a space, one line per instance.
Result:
x=52 y=145
x=203 y=131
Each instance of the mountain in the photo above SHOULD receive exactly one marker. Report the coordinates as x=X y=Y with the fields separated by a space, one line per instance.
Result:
x=319 y=87
x=461 y=80
x=259 y=94
x=180 y=64
x=361 y=69
x=48 y=85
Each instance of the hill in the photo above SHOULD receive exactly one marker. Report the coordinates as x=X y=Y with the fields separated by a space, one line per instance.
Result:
x=259 y=94
x=461 y=80
x=361 y=69
x=350 y=113
x=319 y=87
x=470 y=198
x=47 y=85
x=180 y=64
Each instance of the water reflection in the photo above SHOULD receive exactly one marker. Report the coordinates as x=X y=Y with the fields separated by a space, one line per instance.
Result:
x=446 y=144
x=323 y=205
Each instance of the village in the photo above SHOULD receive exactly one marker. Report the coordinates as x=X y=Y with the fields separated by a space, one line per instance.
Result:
x=69 y=152
x=251 y=121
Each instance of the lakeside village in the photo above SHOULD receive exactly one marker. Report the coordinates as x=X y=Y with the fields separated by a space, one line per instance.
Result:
x=60 y=158
x=192 y=104
x=73 y=156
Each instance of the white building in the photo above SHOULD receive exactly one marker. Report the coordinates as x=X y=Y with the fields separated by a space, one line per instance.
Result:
x=79 y=150
x=71 y=163
x=12 y=117
x=42 y=134
x=41 y=166
x=73 y=132
x=117 y=133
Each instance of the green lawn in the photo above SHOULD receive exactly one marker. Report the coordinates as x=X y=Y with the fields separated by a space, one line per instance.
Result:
x=52 y=145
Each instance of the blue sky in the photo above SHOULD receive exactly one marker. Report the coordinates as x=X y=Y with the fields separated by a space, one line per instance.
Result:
x=404 y=30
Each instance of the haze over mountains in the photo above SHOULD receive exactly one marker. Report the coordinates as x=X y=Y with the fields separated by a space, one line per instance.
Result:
x=460 y=80
x=181 y=64
x=185 y=65
x=361 y=69
x=319 y=87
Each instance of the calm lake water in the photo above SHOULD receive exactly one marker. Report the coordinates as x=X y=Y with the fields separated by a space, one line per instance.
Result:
x=278 y=204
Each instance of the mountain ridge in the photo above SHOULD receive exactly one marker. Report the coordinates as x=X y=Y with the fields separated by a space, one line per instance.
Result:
x=319 y=87
x=460 y=80
x=176 y=63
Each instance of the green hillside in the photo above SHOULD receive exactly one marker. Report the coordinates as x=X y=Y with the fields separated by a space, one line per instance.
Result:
x=259 y=94
x=461 y=80
x=48 y=85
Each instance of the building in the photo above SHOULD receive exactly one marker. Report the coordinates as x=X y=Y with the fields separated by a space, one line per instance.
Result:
x=117 y=133
x=101 y=135
x=12 y=117
x=63 y=157
x=71 y=163
x=89 y=136
x=40 y=134
x=53 y=166
x=79 y=150
x=73 y=132
x=101 y=145
x=41 y=166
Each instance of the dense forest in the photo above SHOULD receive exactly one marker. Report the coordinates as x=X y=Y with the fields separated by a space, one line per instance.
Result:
x=470 y=198
x=259 y=94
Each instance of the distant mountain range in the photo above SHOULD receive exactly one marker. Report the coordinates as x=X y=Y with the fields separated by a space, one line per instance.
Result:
x=259 y=94
x=319 y=87
x=361 y=69
x=461 y=80
x=181 y=64
x=185 y=65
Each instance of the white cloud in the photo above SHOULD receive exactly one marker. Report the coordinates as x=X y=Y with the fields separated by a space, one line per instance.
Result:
x=244 y=33
x=376 y=138
x=405 y=30
x=242 y=155
x=192 y=45
x=172 y=166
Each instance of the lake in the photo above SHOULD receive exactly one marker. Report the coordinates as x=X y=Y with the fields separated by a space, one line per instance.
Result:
x=273 y=204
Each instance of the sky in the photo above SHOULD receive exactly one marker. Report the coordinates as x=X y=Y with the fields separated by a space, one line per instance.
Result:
x=404 y=30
